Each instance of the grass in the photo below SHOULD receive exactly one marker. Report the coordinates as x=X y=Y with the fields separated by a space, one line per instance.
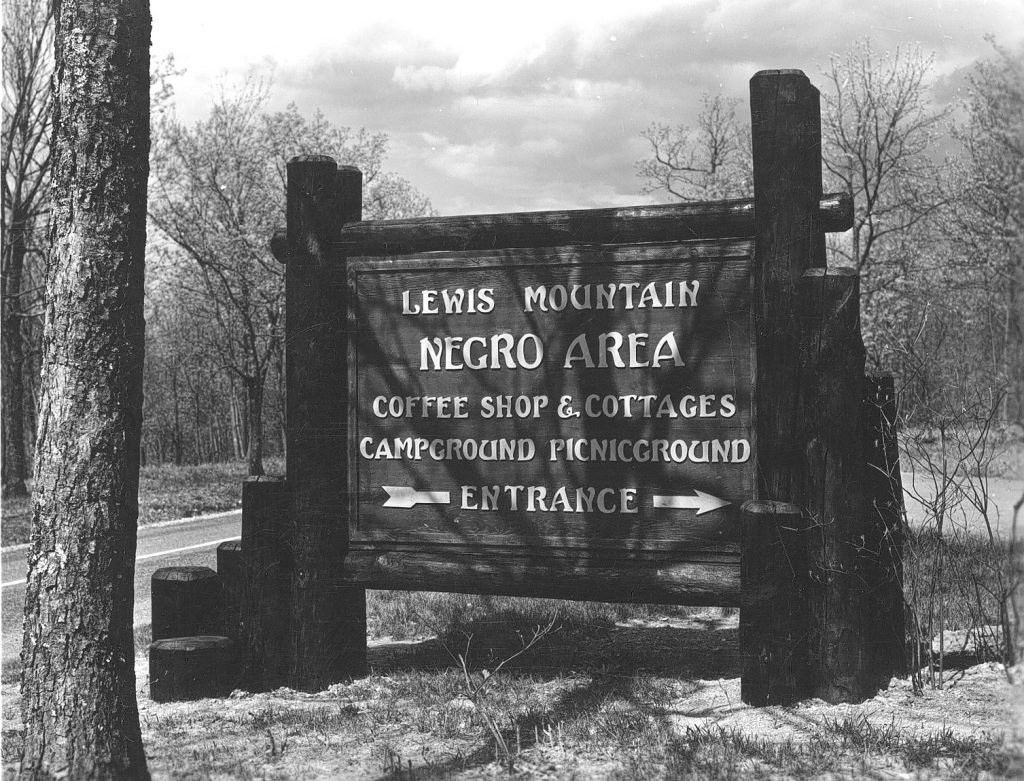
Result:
x=166 y=492
x=848 y=749
x=416 y=725
x=402 y=615
x=589 y=716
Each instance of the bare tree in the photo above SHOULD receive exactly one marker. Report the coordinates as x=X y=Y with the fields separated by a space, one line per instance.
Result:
x=987 y=227
x=27 y=65
x=78 y=684
x=878 y=133
x=191 y=398
x=709 y=162
x=218 y=195
x=213 y=197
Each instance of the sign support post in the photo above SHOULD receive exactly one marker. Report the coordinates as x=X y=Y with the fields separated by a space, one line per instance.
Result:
x=459 y=395
x=328 y=626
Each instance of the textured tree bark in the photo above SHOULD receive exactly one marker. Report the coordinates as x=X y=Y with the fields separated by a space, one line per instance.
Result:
x=78 y=685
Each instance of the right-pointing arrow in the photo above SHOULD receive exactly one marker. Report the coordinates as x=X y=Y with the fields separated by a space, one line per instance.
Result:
x=702 y=502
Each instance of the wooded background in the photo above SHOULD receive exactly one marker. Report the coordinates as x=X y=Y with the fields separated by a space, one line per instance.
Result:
x=937 y=238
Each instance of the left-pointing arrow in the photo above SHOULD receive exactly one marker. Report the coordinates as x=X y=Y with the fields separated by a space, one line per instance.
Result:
x=403 y=496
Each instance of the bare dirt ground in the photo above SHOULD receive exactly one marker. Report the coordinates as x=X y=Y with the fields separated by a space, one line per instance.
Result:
x=640 y=699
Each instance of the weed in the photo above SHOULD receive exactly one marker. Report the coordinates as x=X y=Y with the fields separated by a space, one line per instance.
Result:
x=406 y=614
x=860 y=733
x=968 y=751
x=393 y=765
x=275 y=747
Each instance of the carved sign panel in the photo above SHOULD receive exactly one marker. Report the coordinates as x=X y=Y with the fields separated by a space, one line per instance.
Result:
x=584 y=397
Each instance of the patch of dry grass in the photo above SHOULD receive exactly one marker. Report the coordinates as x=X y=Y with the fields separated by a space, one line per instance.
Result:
x=652 y=695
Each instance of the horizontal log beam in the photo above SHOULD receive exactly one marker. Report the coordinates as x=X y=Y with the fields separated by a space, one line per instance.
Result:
x=670 y=222
x=679 y=583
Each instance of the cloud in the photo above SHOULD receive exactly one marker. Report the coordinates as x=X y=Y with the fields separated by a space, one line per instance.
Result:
x=530 y=110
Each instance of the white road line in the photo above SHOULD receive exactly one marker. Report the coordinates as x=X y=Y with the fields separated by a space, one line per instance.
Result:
x=182 y=550
x=149 y=556
x=158 y=525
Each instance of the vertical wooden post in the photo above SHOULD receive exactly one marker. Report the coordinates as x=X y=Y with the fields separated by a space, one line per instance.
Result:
x=773 y=604
x=185 y=601
x=328 y=629
x=230 y=573
x=265 y=612
x=832 y=381
x=786 y=145
x=884 y=533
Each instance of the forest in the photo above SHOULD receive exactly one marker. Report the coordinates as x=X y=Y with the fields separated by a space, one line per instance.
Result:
x=937 y=237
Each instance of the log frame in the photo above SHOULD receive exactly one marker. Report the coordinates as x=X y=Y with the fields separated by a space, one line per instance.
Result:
x=328 y=619
x=807 y=343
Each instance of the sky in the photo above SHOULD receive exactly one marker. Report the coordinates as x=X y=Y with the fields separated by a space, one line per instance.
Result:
x=540 y=104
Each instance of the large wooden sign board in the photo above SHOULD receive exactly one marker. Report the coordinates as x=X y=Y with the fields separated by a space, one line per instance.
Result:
x=653 y=403
x=572 y=397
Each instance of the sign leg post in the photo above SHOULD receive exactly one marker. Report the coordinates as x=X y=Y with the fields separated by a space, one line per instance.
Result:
x=328 y=617
x=265 y=613
x=884 y=533
x=832 y=381
x=773 y=602
x=785 y=123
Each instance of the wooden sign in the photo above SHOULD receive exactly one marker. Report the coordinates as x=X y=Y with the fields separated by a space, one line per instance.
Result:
x=578 y=397
x=562 y=404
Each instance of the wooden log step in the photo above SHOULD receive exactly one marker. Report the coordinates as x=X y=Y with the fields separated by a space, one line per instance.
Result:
x=230 y=572
x=186 y=602
x=191 y=668
x=264 y=636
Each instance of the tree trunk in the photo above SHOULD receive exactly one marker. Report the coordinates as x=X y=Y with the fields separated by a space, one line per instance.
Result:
x=239 y=434
x=78 y=685
x=1015 y=343
x=254 y=411
x=177 y=420
x=13 y=463
x=196 y=429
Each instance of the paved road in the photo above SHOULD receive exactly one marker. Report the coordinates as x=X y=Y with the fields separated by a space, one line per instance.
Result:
x=191 y=541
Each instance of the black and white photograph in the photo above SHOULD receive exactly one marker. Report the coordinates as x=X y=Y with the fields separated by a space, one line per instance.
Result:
x=539 y=390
